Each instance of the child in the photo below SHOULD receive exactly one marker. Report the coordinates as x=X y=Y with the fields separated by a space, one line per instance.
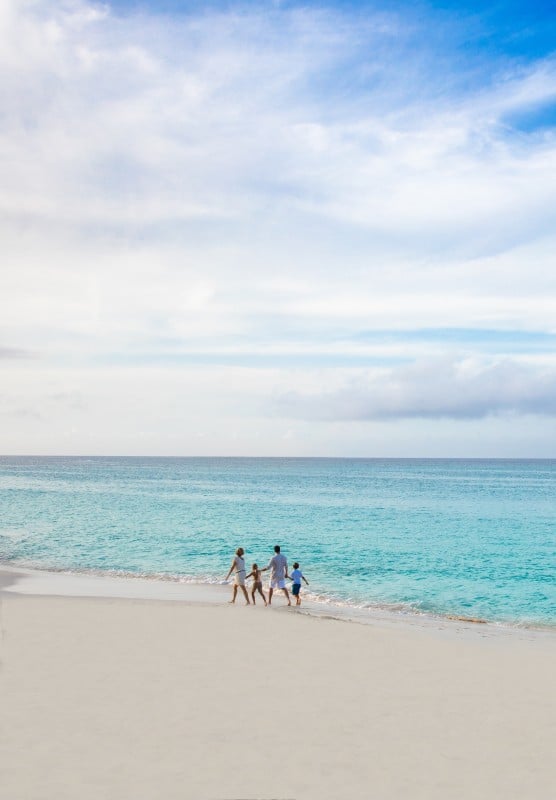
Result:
x=257 y=584
x=296 y=577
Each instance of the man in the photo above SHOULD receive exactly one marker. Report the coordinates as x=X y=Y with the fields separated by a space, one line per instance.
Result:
x=278 y=566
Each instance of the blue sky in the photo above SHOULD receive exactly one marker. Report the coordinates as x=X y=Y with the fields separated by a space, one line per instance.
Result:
x=278 y=228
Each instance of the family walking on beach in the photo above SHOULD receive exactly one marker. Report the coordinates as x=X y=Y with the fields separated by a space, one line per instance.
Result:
x=278 y=566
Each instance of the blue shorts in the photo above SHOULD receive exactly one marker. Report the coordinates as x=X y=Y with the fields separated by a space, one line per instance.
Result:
x=295 y=588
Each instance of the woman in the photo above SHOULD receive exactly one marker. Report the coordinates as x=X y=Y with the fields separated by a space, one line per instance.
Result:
x=238 y=565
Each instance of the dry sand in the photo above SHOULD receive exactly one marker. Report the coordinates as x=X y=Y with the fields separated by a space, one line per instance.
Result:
x=188 y=697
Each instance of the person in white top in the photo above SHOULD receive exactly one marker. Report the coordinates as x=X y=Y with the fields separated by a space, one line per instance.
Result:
x=238 y=566
x=278 y=566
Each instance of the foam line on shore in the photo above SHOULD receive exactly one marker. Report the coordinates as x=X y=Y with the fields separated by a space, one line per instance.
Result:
x=69 y=583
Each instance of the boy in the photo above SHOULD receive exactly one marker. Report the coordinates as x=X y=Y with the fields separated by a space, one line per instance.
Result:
x=297 y=576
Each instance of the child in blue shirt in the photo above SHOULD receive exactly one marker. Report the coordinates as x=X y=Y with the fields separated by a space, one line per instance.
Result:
x=297 y=576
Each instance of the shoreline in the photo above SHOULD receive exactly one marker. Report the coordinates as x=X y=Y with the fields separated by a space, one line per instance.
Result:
x=354 y=529
x=98 y=584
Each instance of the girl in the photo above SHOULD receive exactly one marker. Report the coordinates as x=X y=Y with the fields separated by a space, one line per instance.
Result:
x=257 y=585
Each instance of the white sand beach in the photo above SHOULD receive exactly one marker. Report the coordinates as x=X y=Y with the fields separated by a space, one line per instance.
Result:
x=169 y=692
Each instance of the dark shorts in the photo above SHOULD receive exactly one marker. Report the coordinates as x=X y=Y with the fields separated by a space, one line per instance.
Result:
x=295 y=588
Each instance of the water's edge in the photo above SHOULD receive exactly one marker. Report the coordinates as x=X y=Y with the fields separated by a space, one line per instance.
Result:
x=30 y=580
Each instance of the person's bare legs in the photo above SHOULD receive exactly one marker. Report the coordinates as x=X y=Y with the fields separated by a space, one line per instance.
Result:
x=270 y=591
x=253 y=596
x=244 y=590
x=287 y=595
x=234 y=595
x=261 y=594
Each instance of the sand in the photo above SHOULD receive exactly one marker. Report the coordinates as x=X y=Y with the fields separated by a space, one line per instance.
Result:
x=185 y=696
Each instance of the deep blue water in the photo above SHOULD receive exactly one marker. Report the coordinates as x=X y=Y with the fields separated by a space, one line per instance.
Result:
x=468 y=537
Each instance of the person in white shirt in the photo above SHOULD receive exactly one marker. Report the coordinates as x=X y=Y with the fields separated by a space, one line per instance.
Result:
x=278 y=566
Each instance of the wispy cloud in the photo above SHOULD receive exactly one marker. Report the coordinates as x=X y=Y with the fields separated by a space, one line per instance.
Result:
x=147 y=120
x=9 y=353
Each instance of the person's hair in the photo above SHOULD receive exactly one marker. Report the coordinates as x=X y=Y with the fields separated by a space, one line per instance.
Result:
x=240 y=551
x=296 y=565
x=277 y=548
x=254 y=566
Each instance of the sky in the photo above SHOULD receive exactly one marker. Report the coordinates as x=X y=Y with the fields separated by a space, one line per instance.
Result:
x=278 y=228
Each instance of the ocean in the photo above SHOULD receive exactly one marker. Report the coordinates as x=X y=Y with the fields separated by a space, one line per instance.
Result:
x=473 y=538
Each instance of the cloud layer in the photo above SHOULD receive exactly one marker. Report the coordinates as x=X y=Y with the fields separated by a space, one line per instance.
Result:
x=290 y=190
x=149 y=121
x=437 y=389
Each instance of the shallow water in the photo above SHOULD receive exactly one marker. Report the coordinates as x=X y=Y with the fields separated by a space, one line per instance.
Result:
x=472 y=538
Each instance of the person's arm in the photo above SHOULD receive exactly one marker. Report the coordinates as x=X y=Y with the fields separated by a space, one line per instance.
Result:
x=250 y=575
x=305 y=579
x=231 y=569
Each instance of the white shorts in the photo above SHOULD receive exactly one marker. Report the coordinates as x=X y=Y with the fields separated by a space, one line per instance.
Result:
x=239 y=579
x=278 y=584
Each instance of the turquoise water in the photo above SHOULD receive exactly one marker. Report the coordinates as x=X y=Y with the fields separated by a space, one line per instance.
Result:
x=474 y=538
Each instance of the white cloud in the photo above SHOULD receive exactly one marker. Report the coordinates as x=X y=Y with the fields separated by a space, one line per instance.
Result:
x=13 y=353
x=202 y=411
x=249 y=183
x=138 y=121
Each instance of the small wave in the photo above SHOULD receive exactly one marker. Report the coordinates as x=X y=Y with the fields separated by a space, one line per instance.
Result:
x=14 y=534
